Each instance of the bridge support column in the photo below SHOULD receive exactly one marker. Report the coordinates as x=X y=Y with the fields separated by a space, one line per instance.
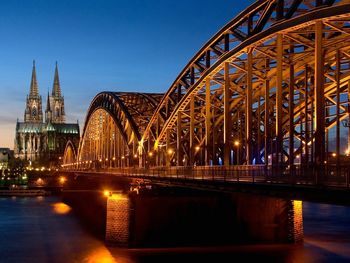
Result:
x=337 y=58
x=258 y=148
x=192 y=121
x=248 y=108
x=227 y=115
x=291 y=117
x=168 y=152
x=279 y=79
x=319 y=97
x=158 y=151
x=178 y=141
x=306 y=117
x=267 y=116
x=207 y=120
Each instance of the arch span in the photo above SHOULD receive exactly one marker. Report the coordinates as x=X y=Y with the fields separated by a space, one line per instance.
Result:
x=70 y=154
x=272 y=86
x=113 y=128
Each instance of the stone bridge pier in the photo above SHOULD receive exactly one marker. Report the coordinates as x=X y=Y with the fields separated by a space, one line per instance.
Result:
x=162 y=216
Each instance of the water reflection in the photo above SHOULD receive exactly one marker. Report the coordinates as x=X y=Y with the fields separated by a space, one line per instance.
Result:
x=61 y=208
x=100 y=255
x=36 y=230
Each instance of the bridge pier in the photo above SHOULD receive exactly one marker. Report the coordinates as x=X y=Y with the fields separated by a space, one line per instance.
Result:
x=184 y=220
x=137 y=213
x=168 y=216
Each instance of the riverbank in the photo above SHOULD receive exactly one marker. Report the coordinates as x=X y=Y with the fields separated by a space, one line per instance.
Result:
x=24 y=192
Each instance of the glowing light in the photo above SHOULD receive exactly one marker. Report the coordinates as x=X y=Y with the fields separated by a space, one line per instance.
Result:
x=113 y=158
x=298 y=156
x=170 y=151
x=334 y=154
x=61 y=208
x=103 y=255
x=107 y=193
x=100 y=160
x=347 y=151
x=62 y=179
x=197 y=148
x=135 y=155
x=118 y=196
x=236 y=143
x=39 y=181
x=106 y=159
x=156 y=144
x=123 y=157
x=150 y=154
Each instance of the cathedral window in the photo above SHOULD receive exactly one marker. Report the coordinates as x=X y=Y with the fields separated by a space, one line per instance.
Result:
x=34 y=112
x=57 y=112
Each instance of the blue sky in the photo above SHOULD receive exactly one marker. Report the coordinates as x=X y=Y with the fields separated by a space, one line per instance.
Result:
x=120 y=45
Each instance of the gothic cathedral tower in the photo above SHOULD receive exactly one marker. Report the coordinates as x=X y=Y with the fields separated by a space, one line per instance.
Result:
x=33 y=111
x=55 y=104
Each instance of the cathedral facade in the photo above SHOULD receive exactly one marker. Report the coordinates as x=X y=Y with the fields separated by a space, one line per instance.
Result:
x=42 y=138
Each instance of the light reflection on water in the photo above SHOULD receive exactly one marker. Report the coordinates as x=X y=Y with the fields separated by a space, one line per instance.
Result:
x=61 y=208
x=42 y=229
x=100 y=254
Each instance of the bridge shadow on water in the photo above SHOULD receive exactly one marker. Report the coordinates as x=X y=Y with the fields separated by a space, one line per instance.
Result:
x=326 y=240
x=43 y=229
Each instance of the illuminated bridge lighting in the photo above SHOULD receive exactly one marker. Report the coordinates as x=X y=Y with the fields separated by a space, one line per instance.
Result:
x=244 y=99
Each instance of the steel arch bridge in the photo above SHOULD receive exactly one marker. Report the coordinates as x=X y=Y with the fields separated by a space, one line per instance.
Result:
x=272 y=87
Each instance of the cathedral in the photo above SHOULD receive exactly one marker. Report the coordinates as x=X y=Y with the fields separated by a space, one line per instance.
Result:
x=42 y=138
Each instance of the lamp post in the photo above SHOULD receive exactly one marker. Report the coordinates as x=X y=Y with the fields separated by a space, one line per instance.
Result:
x=236 y=144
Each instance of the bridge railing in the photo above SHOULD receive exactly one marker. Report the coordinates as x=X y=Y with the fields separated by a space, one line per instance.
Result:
x=327 y=175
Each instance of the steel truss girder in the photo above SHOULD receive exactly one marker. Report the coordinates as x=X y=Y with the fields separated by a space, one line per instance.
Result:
x=273 y=92
x=294 y=25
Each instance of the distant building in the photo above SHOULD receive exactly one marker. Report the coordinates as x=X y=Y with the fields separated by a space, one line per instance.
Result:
x=5 y=156
x=40 y=140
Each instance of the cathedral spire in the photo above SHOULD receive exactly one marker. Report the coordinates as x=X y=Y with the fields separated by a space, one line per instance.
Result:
x=48 y=108
x=34 y=90
x=48 y=112
x=56 y=90
x=33 y=111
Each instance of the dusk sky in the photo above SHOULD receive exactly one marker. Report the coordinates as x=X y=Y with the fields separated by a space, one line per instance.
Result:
x=120 y=45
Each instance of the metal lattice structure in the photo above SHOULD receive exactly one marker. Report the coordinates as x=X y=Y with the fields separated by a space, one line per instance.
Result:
x=114 y=124
x=271 y=87
x=70 y=153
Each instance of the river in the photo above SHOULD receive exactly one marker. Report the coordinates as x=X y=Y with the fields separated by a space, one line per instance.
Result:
x=43 y=229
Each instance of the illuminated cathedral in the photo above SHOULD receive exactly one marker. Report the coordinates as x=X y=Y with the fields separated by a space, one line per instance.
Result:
x=40 y=138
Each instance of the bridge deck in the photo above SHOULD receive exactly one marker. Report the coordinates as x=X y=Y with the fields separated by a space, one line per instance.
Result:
x=327 y=176
x=329 y=185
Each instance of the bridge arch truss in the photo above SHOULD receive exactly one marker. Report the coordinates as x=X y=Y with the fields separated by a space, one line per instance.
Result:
x=272 y=86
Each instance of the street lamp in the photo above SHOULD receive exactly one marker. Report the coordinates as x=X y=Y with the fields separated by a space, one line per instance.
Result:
x=236 y=144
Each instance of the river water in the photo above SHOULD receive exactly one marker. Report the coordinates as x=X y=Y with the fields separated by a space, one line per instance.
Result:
x=43 y=229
